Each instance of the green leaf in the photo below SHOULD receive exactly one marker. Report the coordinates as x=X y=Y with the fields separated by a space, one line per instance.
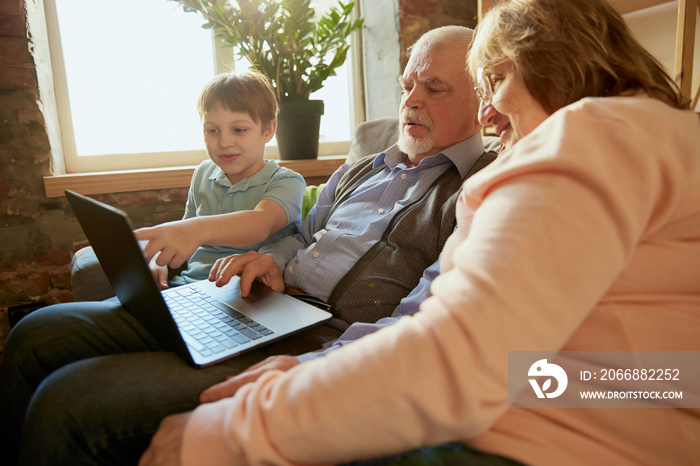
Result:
x=282 y=39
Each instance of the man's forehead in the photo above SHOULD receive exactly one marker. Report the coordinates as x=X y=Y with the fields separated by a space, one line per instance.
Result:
x=441 y=64
x=427 y=80
x=433 y=72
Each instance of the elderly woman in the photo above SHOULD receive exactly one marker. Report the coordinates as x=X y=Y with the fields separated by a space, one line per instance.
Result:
x=583 y=236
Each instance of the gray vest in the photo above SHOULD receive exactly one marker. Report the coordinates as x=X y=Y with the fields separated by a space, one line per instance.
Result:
x=393 y=266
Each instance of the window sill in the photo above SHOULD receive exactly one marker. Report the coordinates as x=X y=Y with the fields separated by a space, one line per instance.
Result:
x=313 y=170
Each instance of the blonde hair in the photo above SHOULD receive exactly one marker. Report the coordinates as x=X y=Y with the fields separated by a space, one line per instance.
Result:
x=568 y=50
x=248 y=92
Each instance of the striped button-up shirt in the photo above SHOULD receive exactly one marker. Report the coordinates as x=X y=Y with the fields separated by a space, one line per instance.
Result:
x=326 y=247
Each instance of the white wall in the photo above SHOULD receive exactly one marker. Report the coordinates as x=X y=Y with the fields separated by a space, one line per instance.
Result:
x=655 y=28
x=381 y=52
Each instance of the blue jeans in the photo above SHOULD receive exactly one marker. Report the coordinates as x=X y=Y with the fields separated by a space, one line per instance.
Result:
x=85 y=383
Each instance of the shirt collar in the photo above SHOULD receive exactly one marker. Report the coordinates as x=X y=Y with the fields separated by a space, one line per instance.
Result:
x=462 y=155
x=261 y=177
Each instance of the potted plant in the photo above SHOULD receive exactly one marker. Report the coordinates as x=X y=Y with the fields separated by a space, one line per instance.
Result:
x=284 y=40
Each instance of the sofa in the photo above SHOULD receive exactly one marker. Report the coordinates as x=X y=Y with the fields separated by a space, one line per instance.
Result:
x=89 y=282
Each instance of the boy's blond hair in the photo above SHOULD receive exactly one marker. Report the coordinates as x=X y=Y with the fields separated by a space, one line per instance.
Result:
x=248 y=92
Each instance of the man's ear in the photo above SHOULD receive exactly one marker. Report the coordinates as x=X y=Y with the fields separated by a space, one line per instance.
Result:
x=270 y=130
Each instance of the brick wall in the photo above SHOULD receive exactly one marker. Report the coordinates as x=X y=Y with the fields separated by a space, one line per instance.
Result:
x=38 y=235
x=419 y=16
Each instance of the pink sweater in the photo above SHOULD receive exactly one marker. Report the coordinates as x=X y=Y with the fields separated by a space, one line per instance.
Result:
x=584 y=236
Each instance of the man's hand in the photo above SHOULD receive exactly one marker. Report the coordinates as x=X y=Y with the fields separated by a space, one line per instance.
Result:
x=166 y=443
x=232 y=384
x=249 y=266
x=174 y=242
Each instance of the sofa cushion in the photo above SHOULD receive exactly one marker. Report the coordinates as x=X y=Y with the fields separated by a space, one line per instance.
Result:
x=88 y=280
x=372 y=137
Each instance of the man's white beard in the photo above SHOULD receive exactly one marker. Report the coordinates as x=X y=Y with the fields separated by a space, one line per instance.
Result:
x=414 y=146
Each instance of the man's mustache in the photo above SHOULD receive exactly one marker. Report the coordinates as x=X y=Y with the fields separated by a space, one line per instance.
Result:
x=414 y=116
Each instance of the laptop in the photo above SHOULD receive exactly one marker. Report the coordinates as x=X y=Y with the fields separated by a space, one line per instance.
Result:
x=202 y=323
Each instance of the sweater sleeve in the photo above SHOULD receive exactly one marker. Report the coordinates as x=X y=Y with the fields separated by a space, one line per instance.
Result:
x=552 y=223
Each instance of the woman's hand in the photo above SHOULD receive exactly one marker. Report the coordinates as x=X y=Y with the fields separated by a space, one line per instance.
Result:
x=166 y=443
x=233 y=383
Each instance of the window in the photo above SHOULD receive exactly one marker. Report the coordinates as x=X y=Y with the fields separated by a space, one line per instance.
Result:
x=127 y=75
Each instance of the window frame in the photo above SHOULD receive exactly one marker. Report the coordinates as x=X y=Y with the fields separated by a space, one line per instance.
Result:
x=139 y=161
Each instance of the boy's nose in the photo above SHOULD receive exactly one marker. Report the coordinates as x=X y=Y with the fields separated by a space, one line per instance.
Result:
x=226 y=140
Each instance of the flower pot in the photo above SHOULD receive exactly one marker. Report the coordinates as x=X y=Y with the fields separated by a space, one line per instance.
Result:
x=298 y=128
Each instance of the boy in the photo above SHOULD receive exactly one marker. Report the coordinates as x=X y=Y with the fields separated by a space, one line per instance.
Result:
x=237 y=201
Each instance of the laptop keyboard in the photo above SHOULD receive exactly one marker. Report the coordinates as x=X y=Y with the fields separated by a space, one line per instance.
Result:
x=205 y=325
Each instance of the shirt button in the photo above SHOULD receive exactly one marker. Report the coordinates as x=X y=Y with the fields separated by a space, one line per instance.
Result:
x=403 y=176
x=316 y=254
x=381 y=211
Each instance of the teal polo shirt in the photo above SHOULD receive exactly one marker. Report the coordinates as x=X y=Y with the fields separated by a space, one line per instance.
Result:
x=211 y=193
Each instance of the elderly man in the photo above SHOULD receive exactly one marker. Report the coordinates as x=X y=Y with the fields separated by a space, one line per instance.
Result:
x=90 y=385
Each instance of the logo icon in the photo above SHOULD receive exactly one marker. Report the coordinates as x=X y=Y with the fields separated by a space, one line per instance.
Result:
x=542 y=368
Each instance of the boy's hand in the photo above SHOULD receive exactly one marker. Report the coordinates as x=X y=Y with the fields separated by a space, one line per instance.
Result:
x=249 y=266
x=175 y=241
x=233 y=383
x=160 y=274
